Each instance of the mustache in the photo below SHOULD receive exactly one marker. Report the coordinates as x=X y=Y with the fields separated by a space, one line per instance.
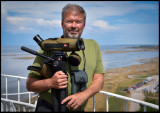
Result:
x=74 y=30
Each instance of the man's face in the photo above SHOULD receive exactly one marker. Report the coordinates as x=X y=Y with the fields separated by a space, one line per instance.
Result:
x=73 y=25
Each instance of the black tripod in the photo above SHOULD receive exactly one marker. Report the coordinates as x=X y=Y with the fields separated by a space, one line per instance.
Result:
x=57 y=63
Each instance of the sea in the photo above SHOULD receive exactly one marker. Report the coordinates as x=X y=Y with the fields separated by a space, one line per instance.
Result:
x=12 y=64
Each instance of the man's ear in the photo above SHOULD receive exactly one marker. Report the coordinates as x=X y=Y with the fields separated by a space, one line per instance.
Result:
x=84 y=26
x=62 y=24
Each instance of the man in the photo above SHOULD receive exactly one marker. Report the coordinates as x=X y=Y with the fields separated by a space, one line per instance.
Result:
x=73 y=23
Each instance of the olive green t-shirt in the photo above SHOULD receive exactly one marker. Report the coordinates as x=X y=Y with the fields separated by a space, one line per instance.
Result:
x=93 y=66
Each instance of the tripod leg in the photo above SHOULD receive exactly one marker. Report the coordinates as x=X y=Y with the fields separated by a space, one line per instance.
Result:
x=63 y=95
x=55 y=100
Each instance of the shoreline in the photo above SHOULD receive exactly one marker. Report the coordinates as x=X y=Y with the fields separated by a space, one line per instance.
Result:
x=136 y=49
x=116 y=79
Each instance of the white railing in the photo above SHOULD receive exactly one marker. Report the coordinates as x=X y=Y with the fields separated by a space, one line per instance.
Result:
x=15 y=105
x=9 y=105
x=126 y=101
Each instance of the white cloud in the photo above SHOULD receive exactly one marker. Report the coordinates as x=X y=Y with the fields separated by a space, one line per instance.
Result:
x=22 y=29
x=49 y=23
x=30 y=15
x=104 y=25
x=99 y=10
x=37 y=9
x=24 y=24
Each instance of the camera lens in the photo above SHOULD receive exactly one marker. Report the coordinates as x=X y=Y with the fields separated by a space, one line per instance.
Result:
x=38 y=39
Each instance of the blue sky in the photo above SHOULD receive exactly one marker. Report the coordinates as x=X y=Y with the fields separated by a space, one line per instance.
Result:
x=108 y=22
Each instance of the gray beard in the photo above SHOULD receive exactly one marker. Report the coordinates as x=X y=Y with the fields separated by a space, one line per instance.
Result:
x=75 y=36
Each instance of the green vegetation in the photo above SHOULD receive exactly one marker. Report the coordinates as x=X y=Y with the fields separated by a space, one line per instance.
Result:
x=116 y=104
x=151 y=98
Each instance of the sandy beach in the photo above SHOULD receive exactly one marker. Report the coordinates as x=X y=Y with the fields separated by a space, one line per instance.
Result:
x=117 y=78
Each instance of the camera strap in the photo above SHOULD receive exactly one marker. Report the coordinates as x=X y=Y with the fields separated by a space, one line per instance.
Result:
x=84 y=59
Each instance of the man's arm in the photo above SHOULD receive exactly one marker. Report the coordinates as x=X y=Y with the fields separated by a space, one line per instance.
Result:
x=78 y=99
x=57 y=81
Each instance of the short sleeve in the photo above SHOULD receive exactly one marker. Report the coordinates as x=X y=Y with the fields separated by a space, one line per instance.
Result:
x=38 y=62
x=99 y=64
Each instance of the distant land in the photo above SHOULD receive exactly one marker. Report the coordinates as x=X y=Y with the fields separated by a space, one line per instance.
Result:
x=140 y=48
x=154 y=47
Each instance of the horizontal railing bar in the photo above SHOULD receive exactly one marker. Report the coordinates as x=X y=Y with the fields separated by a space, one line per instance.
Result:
x=18 y=93
x=13 y=76
x=18 y=102
x=130 y=99
x=101 y=92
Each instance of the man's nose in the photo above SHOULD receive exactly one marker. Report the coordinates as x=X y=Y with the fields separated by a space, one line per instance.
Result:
x=74 y=24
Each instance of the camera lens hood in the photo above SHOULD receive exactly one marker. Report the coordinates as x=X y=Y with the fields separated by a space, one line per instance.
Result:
x=74 y=59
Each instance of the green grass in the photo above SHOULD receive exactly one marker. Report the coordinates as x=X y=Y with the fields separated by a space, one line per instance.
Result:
x=143 y=77
x=116 y=104
x=148 y=109
x=149 y=97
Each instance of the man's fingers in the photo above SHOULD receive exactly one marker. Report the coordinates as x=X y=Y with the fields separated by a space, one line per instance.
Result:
x=63 y=83
x=75 y=107
x=71 y=102
x=60 y=72
x=66 y=99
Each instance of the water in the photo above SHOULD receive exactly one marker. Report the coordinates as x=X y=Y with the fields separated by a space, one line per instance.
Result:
x=13 y=66
x=10 y=64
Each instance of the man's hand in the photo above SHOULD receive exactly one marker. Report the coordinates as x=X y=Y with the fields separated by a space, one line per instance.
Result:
x=58 y=80
x=76 y=100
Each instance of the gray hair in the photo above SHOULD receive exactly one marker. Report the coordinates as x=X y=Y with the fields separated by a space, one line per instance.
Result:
x=78 y=8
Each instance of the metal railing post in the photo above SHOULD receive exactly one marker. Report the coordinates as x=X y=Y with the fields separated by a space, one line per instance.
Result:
x=94 y=106
x=6 y=88
x=145 y=108
x=29 y=97
x=126 y=105
x=107 y=100
x=18 y=89
x=2 y=107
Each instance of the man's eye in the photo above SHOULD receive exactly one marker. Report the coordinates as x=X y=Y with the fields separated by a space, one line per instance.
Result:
x=78 y=22
x=69 y=21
